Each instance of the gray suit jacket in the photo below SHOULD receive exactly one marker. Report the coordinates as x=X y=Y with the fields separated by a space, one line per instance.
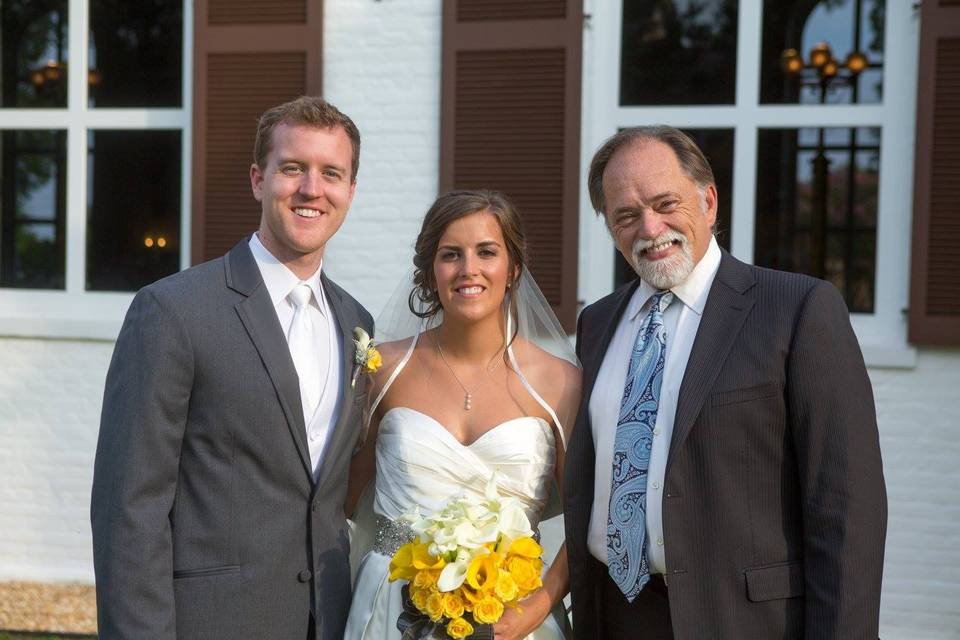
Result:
x=206 y=520
x=774 y=509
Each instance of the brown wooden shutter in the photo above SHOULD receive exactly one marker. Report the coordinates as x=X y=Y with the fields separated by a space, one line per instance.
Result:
x=510 y=120
x=935 y=274
x=249 y=55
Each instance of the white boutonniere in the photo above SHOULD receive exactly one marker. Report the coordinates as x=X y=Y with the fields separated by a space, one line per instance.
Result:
x=366 y=358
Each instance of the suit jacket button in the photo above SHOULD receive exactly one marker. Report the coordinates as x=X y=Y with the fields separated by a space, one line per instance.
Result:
x=304 y=576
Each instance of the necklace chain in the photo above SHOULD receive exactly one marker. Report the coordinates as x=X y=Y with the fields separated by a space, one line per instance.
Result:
x=467 y=395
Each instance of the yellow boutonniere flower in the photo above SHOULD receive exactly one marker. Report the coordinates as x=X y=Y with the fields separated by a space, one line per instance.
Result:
x=366 y=358
x=374 y=360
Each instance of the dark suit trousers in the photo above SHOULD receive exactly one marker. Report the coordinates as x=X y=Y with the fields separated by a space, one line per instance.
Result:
x=646 y=618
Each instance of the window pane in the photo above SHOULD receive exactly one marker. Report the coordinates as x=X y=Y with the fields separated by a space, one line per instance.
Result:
x=678 y=52
x=847 y=26
x=717 y=146
x=32 y=209
x=136 y=53
x=33 y=51
x=133 y=215
x=817 y=206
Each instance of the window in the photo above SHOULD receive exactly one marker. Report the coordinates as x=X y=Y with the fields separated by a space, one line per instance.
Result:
x=94 y=198
x=816 y=174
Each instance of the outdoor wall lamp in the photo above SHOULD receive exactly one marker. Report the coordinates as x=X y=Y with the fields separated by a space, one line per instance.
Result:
x=821 y=60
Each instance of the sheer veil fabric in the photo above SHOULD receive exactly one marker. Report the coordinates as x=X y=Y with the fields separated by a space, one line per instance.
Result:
x=529 y=320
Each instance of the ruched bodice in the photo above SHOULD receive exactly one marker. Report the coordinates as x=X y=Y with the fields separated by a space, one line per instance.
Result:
x=419 y=463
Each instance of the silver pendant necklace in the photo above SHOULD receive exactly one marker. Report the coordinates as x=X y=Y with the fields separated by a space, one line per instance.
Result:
x=467 y=396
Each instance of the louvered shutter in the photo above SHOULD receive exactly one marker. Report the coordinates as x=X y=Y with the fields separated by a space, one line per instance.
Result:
x=249 y=55
x=510 y=120
x=935 y=274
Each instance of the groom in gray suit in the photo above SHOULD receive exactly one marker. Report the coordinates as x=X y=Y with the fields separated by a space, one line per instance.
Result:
x=723 y=478
x=229 y=418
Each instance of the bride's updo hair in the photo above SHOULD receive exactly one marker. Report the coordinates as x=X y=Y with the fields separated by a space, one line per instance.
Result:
x=449 y=207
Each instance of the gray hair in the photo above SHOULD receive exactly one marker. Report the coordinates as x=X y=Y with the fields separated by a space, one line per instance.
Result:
x=692 y=161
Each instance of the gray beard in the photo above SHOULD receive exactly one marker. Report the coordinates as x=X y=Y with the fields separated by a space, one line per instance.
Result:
x=666 y=273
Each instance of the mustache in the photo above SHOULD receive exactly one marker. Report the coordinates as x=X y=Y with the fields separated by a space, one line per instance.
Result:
x=667 y=236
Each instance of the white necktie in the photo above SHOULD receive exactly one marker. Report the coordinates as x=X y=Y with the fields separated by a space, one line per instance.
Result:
x=303 y=349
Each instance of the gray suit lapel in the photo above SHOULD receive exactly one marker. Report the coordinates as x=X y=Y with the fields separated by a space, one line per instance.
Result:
x=259 y=317
x=727 y=307
x=347 y=319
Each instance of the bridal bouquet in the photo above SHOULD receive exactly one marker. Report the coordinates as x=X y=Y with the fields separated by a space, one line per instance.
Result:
x=467 y=563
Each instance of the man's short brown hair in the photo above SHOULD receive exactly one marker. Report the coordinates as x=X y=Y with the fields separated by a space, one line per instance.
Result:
x=311 y=111
x=691 y=159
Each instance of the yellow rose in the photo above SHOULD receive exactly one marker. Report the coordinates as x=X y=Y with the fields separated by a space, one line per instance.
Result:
x=374 y=360
x=421 y=558
x=426 y=579
x=459 y=628
x=434 y=606
x=488 y=610
x=401 y=564
x=452 y=605
x=419 y=598
x=525 y=573
x=526 y=547
x=506 y=587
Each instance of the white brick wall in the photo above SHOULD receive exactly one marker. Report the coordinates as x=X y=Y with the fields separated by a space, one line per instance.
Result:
x=50 y=396
x=919 y=416
x=382 y=68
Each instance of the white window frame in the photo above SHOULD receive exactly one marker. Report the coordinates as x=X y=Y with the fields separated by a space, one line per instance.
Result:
x=882 y=334
x=74 y=312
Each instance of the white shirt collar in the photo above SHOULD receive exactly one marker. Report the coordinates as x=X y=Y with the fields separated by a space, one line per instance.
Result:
x=279 y=280
x=692 y=292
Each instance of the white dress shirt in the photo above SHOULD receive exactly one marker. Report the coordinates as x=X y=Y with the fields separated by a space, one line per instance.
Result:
x=279 y=281
x=681 y=321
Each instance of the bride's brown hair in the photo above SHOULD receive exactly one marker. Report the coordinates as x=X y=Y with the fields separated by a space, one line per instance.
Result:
x=449 y=207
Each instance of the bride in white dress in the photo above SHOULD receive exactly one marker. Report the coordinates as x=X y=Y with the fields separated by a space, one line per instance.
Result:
x=481 y=380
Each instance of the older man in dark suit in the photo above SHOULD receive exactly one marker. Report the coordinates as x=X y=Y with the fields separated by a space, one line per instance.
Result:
x=724 y=476
x=229 y=418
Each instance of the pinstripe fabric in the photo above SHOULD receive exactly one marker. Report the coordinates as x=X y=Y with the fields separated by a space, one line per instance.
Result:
x=774 y=508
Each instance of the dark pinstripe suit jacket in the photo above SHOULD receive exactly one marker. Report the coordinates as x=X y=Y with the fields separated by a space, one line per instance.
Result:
x=775 y=508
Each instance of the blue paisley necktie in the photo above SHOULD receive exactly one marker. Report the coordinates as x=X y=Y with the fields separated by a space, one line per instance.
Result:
x=627 y=522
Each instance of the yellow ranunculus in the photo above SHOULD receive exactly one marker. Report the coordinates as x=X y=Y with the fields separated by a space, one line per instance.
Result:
x=488 y=610
x=434 y=606
x=459 y=628
x=526 y=547
x=506 y=587
x=426 y=578
x=374 y=360
x=419 y=598
x=482 y=572
x=423 y=560
x=401 y=564
x=525 y=573
x=452 y=605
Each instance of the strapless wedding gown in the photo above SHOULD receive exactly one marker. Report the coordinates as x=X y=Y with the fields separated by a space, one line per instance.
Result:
x=419 y=463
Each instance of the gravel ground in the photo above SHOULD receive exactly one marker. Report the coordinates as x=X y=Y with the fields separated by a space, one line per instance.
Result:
x=32 y=606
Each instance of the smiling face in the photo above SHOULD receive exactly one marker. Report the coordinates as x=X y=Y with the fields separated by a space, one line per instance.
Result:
x=659 y=218
x=304 y=189
x=471 y=267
